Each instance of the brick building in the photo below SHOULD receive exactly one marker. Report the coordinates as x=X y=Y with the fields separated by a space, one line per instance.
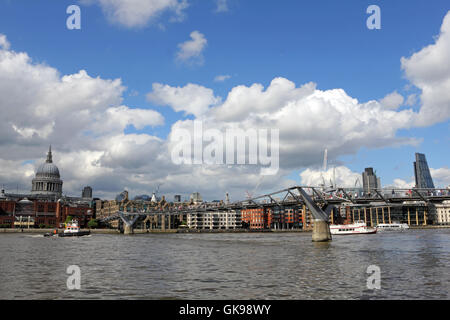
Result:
x=34 y=214
x=296 y=217
x=257 y=218
x=7 y=209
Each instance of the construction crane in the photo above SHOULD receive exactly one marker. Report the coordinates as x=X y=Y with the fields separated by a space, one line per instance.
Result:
x=332 y=180
x=334 y=177
x=324 y=168
x=157 y=188
x=251 y=194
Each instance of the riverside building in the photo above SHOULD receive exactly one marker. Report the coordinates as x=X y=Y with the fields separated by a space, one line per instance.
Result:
x=214 y=220
x=443 y=213
x=276 y=218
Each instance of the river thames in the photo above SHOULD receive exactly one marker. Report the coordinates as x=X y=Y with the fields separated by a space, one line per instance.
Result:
x=413 y=264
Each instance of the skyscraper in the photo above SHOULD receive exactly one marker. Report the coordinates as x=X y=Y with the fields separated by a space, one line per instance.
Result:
x=87 y=192
x=422 y=173
x=370 y=181
x=196 y=197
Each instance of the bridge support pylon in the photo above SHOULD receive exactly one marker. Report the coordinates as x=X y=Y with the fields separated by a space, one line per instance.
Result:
x=321 y=228
x=127 y=229
x=321 y=231
x=128 y=222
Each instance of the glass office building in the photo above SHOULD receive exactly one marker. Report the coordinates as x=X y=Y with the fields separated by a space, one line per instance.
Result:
x=422 y=173
x=370 y=181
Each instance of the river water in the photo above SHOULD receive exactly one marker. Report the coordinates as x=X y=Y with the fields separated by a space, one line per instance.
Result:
x=414 y=264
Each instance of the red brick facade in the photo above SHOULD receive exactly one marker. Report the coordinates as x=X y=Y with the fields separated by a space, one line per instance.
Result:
x=258 y=218
x=266 y=218
x=7 y=209
x=45 y=213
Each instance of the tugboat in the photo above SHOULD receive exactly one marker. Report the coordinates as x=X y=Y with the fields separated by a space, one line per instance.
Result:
x=72 y=229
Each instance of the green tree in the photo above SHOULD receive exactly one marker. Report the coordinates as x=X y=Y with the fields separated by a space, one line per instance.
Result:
x=93 y=223
x=68 y=219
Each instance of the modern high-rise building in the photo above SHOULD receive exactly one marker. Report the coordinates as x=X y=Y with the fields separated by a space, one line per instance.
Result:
x=87 y=192
x=422 y=173
x=370 y=181
x=196 y=198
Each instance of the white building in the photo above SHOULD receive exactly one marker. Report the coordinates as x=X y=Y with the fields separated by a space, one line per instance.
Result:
x=214 y=220
x=443 y=212
x=196 y=198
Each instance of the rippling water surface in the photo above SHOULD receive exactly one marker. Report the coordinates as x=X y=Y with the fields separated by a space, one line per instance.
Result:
x=414 y=265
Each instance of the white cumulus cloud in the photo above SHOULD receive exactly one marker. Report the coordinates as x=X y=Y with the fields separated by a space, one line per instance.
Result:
x=429 y=70
x=411 y=100
x=139 y=13
x=190 y=51
x=392 y=101
x=441 y=177
x=339 y=176
x=4 y=42
x=222 y=5
x=222 y=78
x=192 y=99
x=77 y=114
x=85 y=120
x=402 y=184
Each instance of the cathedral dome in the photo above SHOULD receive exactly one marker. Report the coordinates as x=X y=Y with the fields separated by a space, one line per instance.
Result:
x=48 y=170
x=25 y=201
x=47 y=180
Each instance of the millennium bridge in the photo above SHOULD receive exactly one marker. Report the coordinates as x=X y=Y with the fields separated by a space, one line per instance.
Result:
x=319 y=201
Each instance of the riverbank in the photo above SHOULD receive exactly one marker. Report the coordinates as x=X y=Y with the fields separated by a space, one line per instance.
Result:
x=140 y=231
x=137 y=231
x=429 y=227
x=59 y=230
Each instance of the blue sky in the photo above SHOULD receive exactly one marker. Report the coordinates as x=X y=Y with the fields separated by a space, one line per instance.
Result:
x=326 y=42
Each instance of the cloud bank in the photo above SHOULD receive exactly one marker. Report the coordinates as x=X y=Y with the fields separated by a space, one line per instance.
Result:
x=86 y=122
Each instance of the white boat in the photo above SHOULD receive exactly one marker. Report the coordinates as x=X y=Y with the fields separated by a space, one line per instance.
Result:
x=72 y=229
x=359 y=227
x=392 y=226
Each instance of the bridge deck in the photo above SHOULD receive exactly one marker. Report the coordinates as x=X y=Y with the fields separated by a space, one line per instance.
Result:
x=293 y=197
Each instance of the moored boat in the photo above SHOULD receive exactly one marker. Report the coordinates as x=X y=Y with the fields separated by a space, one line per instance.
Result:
x=359 y=227
x=392 y=226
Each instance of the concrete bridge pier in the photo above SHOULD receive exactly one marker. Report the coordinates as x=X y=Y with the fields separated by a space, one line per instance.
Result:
x=127 y=229
x=128 y=222
x=321 y=231
x=321 y=228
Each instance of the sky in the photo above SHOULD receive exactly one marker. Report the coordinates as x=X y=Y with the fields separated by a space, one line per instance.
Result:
x=109 y=97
